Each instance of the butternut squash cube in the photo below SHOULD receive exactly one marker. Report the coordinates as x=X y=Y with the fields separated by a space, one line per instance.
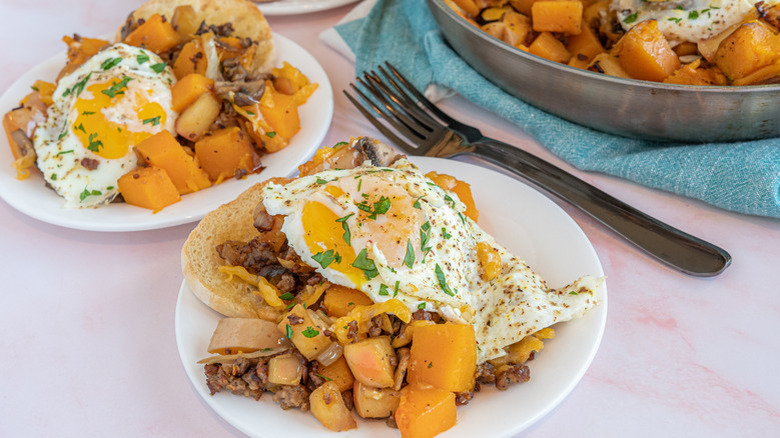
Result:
x=328 y=407
x=517 y=28
x=562 y=16
x=148 y=187
x=523 y=6
x=375 y=402
x=156 y=34
x=224 y=152
x=370 y=363
x=307 y=335
x=470 y=6
x=188 y=89
x=585 y=45
x=185 y=21
x=645 y=53
x=163 y=151
x=443 y=356
x=460 y=188
x=424 y=412
x=340 y=300
x=280 y=112
x=191 y=59
x=752 y=46
x=79 y=50
x=548 y=47
x=339 y=373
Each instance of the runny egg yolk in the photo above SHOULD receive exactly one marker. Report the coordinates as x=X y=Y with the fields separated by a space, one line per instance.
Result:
x=385 y=217
x=103 y=134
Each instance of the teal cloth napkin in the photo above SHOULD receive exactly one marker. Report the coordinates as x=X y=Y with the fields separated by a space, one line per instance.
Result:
x=741 y=176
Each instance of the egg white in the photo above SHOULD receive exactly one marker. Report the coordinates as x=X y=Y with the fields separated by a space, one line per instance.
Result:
x=61 y=153
x=504 y=310
x=683 y=20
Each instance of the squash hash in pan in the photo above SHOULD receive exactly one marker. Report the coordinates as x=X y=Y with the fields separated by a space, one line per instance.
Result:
x=186 y=98
x=696 y=42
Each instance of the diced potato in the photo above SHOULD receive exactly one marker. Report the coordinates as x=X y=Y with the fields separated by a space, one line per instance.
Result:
x=443 y=356
x=549 y=47
x=185 y=21
x=246 y=335
x=373 y=402
x=308 y=335
x=45 y=91
x=285 y=369
x=460 y=188
x=224 y=152
x=339 y=373
x=424 y=412
x=155 y=34
x=496 y=29
x=18 y=125
x=148 y=187
x=608 y=64
x=163 y=151
x=645 y=54
x=191 y=59
x=340 y=300
x=370 y=361
x=517 y=28
x=752 y=46
x=188 y=89
x=561 y=16
x=196 y=120
x=327 y=406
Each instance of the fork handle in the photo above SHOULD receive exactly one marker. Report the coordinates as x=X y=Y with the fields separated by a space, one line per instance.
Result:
x=676 y=248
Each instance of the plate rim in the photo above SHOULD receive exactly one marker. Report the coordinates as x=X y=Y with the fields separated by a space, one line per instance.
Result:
x=152 y=221
x=280 y=8
x=198 y=382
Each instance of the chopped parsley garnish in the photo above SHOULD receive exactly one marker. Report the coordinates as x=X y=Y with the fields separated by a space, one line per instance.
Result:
x=78 y=87
x=450 y=200
x=421 y=306
x=443 y=281
x=631 y=18
x=692 y=15
x=251 y=113
x=271 y=134
x=289 y=306
x=345 y=226
x=110 y=188
x=326 y=258
x=462 y=217
x=425 y=236
x=117 y=87
x=360 y=184
x=676 y=20
x=143 y=57
x=383 y=290
x=323 y=377
x=110 y=63
x=395 y=289
x=409 y=257
x=310 y=332
x=159 y=67
x=445 y=234
x=288 y=331
x=94 y=145
x=365 y=264
x=321 y=181
x=80 y=128
x=34 y=88
x=573 y=293
x=287 y=296
x=417 y=203
x=339 y=143
x=430 y=364
x=69 y=151
x=379 y=207
x=154 y=121
x=87 y=113
x=86 y=193
x=54 y=177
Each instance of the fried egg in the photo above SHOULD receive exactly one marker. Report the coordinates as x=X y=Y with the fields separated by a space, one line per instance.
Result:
x=392 y=233
x=683 y=20
x=99 y=112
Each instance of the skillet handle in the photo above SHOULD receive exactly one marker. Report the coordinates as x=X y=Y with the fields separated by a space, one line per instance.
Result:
x=674 y=247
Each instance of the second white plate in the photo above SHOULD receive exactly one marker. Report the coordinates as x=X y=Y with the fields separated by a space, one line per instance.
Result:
x=293 y=7
x=530 y=226
x=34 y=199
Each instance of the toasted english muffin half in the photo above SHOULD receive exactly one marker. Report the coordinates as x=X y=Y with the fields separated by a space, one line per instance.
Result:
x=245 y=17
x=200 y=261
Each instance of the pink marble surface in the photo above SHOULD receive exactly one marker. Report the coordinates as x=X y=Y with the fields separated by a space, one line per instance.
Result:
x=86 y=319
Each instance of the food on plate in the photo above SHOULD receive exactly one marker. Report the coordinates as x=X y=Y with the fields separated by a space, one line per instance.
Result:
x=186 y=98
x=696 y=42
x=396 y=303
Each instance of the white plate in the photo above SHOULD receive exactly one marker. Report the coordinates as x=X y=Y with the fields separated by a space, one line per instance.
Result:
x=31 y=196
x=293 y=7
x=529 y=225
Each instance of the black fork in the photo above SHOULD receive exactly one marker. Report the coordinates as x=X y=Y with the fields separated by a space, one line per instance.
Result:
x=431 y=132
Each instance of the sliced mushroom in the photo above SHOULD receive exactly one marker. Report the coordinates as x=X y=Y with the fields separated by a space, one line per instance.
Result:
x=241 y=93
